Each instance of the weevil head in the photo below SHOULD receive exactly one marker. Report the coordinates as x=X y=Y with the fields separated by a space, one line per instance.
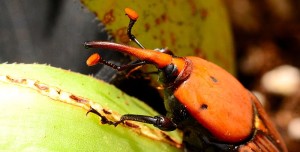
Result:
x=172 y=69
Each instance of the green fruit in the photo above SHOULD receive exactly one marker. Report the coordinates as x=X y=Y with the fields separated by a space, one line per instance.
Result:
x=44 y=109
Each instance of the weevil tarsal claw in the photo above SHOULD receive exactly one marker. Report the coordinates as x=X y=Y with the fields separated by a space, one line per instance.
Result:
x=104 y=120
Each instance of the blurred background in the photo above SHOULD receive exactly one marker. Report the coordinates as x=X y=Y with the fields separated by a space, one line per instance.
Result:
x=267 y=44
x=47 y=32
x=266 y=37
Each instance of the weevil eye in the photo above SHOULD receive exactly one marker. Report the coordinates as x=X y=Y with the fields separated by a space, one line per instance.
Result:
x=170 y=69
x=168 y=74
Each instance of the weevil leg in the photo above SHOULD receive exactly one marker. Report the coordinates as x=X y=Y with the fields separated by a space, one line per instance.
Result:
x=161 y=122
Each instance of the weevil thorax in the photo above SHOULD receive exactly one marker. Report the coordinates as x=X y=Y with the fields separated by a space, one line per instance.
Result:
x=217 y=101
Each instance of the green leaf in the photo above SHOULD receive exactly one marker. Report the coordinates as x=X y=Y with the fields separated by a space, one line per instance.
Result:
x=44 y=109
x=187 y=27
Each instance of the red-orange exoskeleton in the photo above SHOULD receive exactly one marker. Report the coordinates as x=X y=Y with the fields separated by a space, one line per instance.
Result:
x=214 y=111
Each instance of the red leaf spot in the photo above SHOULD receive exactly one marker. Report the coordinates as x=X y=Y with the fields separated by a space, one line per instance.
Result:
x=199 y=53
x=147 y=27
x=108 y=17
x=121 y=35
x=164 y=17
x=173 y=38
x=203 y=13
x=163 y=42
x=157 y=21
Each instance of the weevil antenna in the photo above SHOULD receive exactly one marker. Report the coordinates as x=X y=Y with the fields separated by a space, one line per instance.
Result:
x=121 y=67
x=131 y=36
x=96 y=58
x=133 y=16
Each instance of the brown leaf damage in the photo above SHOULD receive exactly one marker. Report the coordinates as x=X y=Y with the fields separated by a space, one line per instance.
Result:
x=107 y=115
